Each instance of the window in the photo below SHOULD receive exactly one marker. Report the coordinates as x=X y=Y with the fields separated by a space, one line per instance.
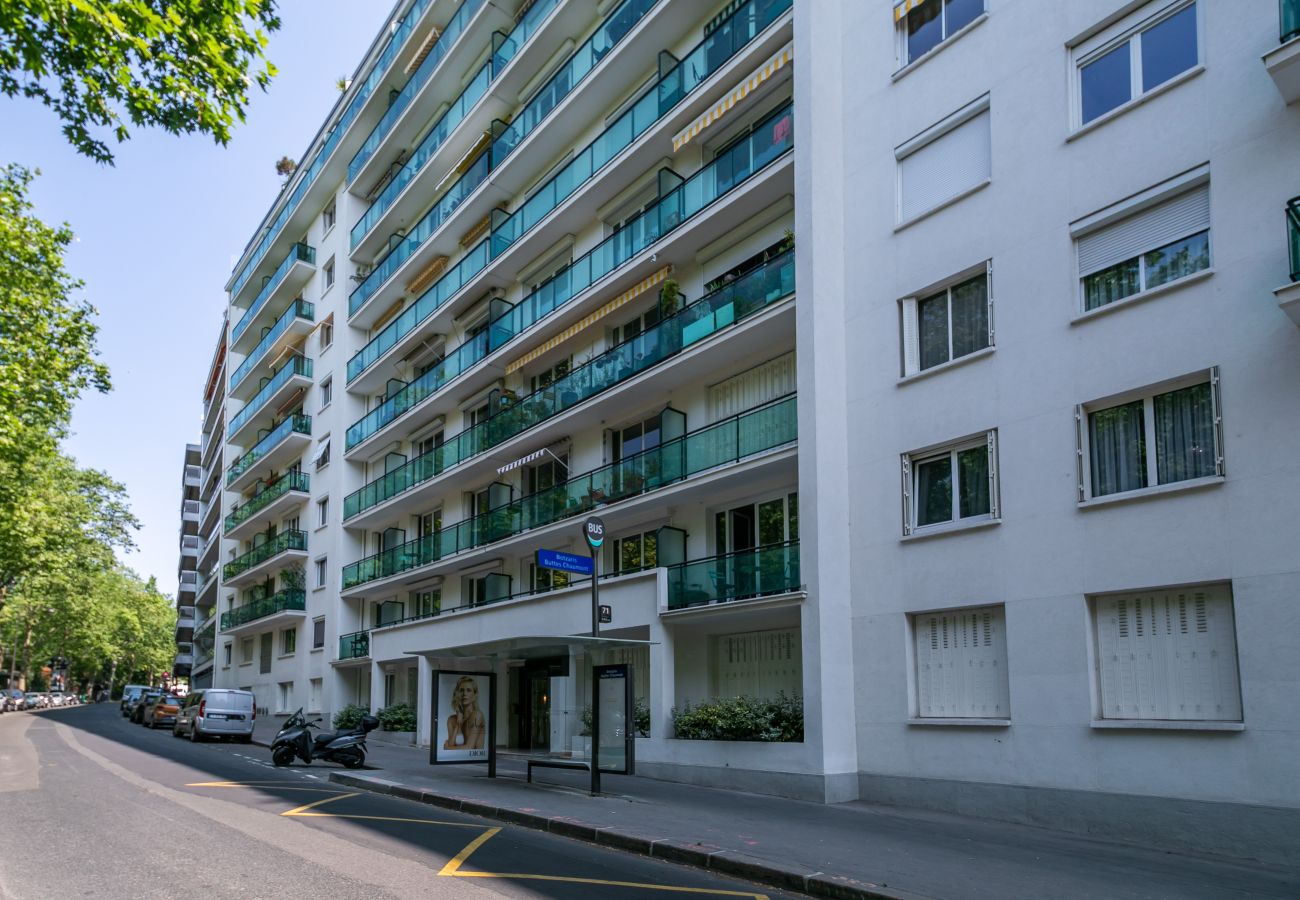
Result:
x=322 y=572
x=329 y=274
x=246 y=651
x=327 y=333
x=426 y=602
x=328 y=218
x=288 y=641
x=948 y=159
x=317 y=633
x=326 y=392
x=225 y=655
x=950 y=484
x=321 y=458
x=551 y=375
x=546 y=579
x=322 y=512
x=285 y=696
x=1168 y=654
x=313 y=696
x=1160 y=437
x=1148 y=241
x=953 y=322
x=925 y=24
x=635 y=552
x=1141 y=58
x=961 y=664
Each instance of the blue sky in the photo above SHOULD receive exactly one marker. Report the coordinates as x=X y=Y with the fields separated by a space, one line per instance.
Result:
x=157 y=236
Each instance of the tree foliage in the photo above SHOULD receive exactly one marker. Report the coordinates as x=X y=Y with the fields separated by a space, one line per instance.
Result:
x=182 y=65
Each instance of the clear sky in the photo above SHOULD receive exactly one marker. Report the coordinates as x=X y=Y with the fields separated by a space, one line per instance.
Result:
x=157 y=236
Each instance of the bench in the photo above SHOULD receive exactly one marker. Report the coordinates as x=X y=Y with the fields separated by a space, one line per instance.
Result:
x=556 y=764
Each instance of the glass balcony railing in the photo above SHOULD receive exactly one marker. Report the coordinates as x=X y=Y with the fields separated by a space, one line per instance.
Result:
x=615 y=27
x=298 y=309
x=355 y=645
x=446 y=40
x=719 y=310
x=760 y=572
x=299 y=424
x=287 y=599
x=1293 y=234
x=475 y=175
x=523 y=31
x=289 y=481
x=1289 y=19
x=446 y=124
x=297 y=253
x=281 y=543
x=372 y=80
x=769 y=140
x=727 y=441
x=297 y=365
x=431 y=300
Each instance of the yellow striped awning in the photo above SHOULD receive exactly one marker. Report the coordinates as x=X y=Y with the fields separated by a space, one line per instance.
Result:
x=906 y=6
x=634 y=291
x=734 y=96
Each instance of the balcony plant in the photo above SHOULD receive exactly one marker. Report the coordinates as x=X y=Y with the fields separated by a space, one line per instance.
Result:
x=671 y=298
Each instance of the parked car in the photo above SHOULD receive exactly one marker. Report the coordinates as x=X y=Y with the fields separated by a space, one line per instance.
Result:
x=217 y=712
x=138 y=708
x=162 y=711
x=42 y=699
x=58 y=698
x=130 y=694
x=31 y=700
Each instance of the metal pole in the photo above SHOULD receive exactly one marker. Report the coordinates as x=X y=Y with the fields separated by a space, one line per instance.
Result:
x=595 y=730
x=595 y=592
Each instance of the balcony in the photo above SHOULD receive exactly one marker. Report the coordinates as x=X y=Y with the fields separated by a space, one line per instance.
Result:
x=190 y=544
x=193 y=476
x=294 y=323
x=747 y=574
x=184 y=657
x=282 y=445
x=185 y=622
x=723 y=309
x=1288 y=296
x=725 y=442
x=292 y=273
x=242 y=569
x=1283 y=63
x=293 y=376
x=205 y=587
x=280 y=495
x=355 y=645
x=287 y=601
x=190 y=511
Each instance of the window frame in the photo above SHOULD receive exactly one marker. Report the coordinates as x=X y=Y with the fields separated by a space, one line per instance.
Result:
x=320 y=621
x=329 y=275
x=955 y=120
x=323 y=511
x=329 y=217
x=901 y=62
x=289 y=641
x=913 y=459
x=909 y=322
x=322 y=573
x=326 y=393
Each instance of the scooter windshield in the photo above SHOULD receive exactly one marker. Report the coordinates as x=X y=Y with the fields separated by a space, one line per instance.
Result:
x=294 y=721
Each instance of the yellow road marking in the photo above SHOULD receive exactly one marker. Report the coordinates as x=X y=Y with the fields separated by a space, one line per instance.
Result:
x=608 y=883
x=280 y=785
x=300 y=810
x=454 y=864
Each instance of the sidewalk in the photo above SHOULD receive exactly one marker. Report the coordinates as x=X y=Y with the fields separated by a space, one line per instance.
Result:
x=846 y=850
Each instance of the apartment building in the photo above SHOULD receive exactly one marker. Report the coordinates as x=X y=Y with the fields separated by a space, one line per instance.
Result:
x=187 y=567
x=537 y=264
x=211 y=479
x=1047 y=436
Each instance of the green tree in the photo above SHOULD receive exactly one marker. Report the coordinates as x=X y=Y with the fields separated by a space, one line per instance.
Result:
x=182 y=65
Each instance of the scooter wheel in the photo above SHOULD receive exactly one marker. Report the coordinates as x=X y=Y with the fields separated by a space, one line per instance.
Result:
x=282 y=756
x=355 y=760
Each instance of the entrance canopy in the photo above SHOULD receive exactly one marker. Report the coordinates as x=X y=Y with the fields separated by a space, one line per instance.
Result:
x=525 y=648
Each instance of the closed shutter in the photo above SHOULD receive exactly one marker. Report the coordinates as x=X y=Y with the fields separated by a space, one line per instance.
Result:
x=1164 y=223
x=952 y=163
x=1169 y=655
x=911 y=338
x=961 y=664
x=774 y=378
x=758 y=664
x=266 y=651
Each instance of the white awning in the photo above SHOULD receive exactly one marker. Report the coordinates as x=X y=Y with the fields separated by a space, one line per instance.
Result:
x=734 y=96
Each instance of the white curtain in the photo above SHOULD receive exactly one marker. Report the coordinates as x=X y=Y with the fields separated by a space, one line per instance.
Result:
x=1117 y=445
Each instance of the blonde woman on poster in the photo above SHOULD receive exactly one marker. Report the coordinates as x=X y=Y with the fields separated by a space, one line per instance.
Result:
x=466 y=727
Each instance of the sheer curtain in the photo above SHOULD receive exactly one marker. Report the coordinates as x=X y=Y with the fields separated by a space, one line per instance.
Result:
x=934 y=491
x=1117 y=446
x=973 y=482
x=1184 y=423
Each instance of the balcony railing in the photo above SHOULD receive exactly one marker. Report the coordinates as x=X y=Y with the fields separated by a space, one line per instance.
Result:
x=523 y=31
x=769 y=141
x=281 y=543
x=289 y=481
x=297 y=365
x=355 y=645
x=1293 y=233
x=730 y=440
x=715 y=312
x=760 y=572
x=309 y=171
x=298 y=309
x=287 y=599
x=446 y=40
x=297 y=253
x=296 y=424
x=1289 y=19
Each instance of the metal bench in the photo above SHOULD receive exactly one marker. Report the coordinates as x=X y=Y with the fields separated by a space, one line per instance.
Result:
x=556 y=764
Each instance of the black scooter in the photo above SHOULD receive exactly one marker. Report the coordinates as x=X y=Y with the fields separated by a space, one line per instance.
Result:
x=348 y=748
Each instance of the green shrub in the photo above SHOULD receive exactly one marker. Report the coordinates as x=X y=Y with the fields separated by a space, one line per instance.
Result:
x=742 y=719
x=349 y=717
x=398 y=717
x=641 y=713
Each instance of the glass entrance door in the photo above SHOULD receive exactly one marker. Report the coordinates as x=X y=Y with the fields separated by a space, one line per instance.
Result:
x=535 y=733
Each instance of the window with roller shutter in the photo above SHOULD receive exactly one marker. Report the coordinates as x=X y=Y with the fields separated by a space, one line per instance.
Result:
x=961 y=664
x=753 y=387
x=1168 y=655
x=948 y=160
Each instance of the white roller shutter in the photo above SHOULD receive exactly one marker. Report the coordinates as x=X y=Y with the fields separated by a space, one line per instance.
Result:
x=751 y=388
x=758 y=664
x=943 y=168
x=1164 y=223
x=911 y=338
x=961 y=664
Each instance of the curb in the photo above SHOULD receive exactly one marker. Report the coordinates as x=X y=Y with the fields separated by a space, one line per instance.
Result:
x=704 y=856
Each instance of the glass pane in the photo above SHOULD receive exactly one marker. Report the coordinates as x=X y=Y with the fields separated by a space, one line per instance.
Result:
x=970 y=316
x=1184 y=434
x=1118 y=448
x=794 y=516
x=771 y=521
x=629 y=557
x=1106 y=83
x=1112 y=284
x=960 y=14
x=934 y=491
x=649 y=549
x=973 y=482
x=1169 y=48
x=932 y=314
x=924 y=29
x=1178 y=260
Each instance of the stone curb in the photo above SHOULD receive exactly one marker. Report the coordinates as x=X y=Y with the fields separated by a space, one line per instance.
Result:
x=704 y=856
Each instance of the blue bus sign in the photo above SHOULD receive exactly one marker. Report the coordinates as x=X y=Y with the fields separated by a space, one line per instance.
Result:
x=572 y=563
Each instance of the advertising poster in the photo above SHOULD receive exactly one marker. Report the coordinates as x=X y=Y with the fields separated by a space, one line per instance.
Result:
x=613 y=740
x=463 y=717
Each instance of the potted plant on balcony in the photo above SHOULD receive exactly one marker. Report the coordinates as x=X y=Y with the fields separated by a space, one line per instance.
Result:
x=670 y=298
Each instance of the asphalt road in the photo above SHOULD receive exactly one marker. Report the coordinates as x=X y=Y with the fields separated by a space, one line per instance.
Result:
x=93 y=806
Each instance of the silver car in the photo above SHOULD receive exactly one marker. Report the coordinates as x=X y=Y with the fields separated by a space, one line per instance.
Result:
x=217 y=712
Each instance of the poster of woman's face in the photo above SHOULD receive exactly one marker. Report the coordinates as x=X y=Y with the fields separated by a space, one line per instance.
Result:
x=464 y=707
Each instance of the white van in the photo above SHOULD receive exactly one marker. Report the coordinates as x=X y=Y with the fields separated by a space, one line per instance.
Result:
x=217 y=712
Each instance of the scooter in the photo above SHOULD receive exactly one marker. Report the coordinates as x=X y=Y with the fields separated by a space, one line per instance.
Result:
x=348 y=748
